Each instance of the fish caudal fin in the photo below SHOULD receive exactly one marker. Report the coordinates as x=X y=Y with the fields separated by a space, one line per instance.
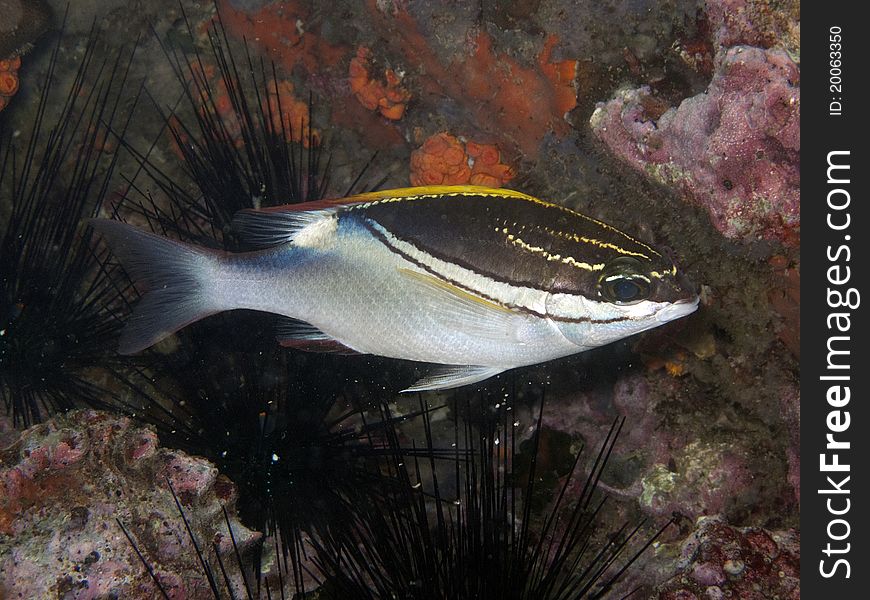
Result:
x=172 y=277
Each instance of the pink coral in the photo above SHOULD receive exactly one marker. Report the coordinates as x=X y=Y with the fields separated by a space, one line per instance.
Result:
x=734 y=150
x=679 y=467
x=63 y=484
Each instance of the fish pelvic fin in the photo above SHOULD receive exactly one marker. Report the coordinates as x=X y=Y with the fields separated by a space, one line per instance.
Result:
x=304 y=336
x=453 y=376
x=171 y=275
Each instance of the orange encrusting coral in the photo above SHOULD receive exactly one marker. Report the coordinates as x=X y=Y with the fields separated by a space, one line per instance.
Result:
x=291 y=115
x=285 y=32
x=288 y=114
x=487 y=168
x=387 y=97
x=444 y=159
x=517 y=103
x=441 y=160
x=8 y=79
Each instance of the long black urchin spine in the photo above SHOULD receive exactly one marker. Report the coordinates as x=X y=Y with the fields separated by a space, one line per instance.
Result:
x=62 y=301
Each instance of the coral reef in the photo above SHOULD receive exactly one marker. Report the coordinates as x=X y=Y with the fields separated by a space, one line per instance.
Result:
x=785 y=299
x=9 y=83
x=755 y=23
x=65 y=482
x=444 y=159
x=699 y=478
x=690 y=463
x=441 y=160
x=735 y=149
x=289 y=114
x=285 y=31
x=790 y=408
x=22 y=22
x=388 y=97
x=518 y=103
x=721 y=561
x=478 y=94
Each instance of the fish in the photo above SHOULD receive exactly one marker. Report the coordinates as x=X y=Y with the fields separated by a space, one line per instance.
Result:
x=472 y=279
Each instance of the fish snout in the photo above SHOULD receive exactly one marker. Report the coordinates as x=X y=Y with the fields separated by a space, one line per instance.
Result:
x=678 y=309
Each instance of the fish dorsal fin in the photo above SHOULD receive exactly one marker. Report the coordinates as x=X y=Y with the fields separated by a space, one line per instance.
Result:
x=276 y=225
x=446 y=377
x=304 y=336
x=272 y=227
x=456 y=309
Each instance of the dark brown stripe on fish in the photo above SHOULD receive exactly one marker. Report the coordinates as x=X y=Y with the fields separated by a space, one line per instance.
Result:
x=510 y=239
x=523 y=309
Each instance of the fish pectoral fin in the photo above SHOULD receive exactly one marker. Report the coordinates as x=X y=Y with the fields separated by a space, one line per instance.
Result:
x=272 y=227
x=305 y=336
x=446 y=377
x=458 y=310
x=445 y=286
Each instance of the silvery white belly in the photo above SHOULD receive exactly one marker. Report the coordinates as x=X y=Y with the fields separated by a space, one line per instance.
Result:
x=359 y=292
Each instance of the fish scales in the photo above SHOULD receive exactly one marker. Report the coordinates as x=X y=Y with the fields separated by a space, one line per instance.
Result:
x=474 y=279
x=360 y=279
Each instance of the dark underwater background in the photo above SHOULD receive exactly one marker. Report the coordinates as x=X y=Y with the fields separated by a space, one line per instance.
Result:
x=219 y=464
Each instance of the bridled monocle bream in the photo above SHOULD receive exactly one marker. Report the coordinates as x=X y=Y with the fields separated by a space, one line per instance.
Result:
x=475 y=279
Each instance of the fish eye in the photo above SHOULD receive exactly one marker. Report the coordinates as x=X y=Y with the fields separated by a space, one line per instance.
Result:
x=622 y=281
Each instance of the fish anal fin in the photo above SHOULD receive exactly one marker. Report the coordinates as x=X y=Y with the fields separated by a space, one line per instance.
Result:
x=446 y=377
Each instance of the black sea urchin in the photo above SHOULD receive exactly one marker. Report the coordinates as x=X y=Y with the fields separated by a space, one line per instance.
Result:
x=244 y=141
x=60 y=300
x=485 y=541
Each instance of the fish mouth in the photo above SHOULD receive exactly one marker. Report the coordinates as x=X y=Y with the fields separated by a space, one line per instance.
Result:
x=678 y=309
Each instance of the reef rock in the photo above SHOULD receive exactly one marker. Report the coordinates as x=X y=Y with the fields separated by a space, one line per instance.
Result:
x=735 y=149
x=66 y=486
x=721 y=561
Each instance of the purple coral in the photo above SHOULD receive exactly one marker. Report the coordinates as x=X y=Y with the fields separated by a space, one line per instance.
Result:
x=664 y=465
x=64 y=483
x=735 y=149
x=721 y=561
x=790 y=408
